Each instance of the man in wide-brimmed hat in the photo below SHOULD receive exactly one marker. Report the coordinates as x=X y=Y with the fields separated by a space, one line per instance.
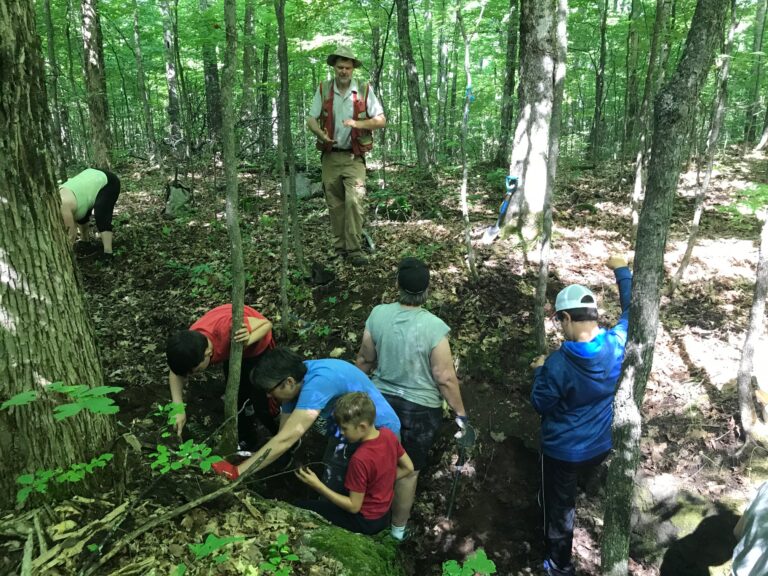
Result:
x=342 y=116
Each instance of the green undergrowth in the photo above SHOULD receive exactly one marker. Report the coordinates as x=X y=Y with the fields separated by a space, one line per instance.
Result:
x=360 y=555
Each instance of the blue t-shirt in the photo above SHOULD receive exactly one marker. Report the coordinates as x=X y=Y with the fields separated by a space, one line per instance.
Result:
x=326 y=380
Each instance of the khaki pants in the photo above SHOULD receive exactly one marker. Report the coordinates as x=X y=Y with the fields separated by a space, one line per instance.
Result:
x=344 y=185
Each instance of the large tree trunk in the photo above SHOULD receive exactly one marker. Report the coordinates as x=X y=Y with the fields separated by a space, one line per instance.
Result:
x=418 y=118
x=45 y=333
x=174 y=112
x=441 y=97
x=57 y=128
x=289 y=187
x=229 y=152
x=149 y=125
x=561 y=55
x=213 y=102
x=750 y=122
x=674 y=109
x=507 y=96
x=78 y=146
x=753 y=428
x=596 y=132
x=718 y=112
x=96 y=83
x=265 y=116
x=643 y=125
x=536 y=93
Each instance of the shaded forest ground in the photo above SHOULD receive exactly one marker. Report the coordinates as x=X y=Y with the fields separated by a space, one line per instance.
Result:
x=167 y=273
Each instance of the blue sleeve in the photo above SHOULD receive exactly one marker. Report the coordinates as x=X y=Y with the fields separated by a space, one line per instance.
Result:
x=314 y=394
x=624 y=282
x=546 y=394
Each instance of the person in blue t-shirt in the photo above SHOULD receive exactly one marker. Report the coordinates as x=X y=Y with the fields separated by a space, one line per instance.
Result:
x=573 y=392
x=308 y=390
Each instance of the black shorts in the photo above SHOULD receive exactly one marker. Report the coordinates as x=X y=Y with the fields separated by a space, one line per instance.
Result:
x=418 y=426
x=104 y=205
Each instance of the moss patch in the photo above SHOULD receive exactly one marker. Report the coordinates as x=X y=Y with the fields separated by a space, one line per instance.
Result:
x=360 y=555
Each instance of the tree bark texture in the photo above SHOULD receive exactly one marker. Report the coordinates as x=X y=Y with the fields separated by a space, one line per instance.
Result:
x=229 y=151
x=96 y=83
x=418 y=117
x=753 y=109
x=508 y=94
x=561 y=43
x=673 y=110
x=45 y=333
x=536 y=92
x=174 y=111
x=643 y=125
x=749 y=421
x=716 y=122
x=250 y=67
x=265 y=129
x=213 y=104
x=57 y=128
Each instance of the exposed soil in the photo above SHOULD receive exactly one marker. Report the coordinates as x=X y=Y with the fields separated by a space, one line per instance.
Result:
x=167 y=273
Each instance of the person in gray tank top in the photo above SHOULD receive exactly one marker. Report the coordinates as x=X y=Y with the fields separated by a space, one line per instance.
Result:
x=406 y=351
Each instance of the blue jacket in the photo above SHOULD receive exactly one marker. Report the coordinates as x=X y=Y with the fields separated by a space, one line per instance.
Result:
x=573 y=391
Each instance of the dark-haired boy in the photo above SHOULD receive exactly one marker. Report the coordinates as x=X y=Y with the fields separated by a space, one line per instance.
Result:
x=208 y=342
x=573 y=391
x=370 y=479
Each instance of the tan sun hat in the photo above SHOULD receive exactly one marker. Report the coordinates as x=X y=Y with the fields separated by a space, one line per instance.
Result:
x=345 y=53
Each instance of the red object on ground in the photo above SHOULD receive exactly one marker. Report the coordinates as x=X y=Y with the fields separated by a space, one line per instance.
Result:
x=224 y=468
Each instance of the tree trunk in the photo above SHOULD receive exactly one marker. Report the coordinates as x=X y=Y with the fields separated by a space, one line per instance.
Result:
x=674 y=109
x=596 y=132
x=643 y=125
x=716 y=122
x=418 y=118
x=229 y=153
x=442 y=83
x=531 y=148
x=250 y=68
x=174 y=113
x=561 y=55
x=265 y=129
x=149 y=124
x=46 y=335
x=59 y=134
x=504 y=152
x=463 y=141
x=630 y=96
x=750 y=122
x=96 y=83
x=213 y=102
x=74 y=87
x=450 y=115
x=287 y=155
x=753 y=428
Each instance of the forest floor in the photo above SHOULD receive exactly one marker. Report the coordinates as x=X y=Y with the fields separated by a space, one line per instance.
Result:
x=167 y=273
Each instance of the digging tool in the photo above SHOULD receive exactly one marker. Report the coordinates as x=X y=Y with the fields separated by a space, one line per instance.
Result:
x=492 y=232
x=456 y=475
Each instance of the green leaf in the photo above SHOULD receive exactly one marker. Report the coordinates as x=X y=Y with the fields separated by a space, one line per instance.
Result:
x=23 y=494
x=180 y=570
x=206 y=464
x=291 y=557
x=21 y=399
x=25 y=479
x=100 y=391
x=93 y=547
x=267 y=567
x=281 y=540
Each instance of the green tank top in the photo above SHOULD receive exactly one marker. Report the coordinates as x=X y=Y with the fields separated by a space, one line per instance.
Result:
x=404 y=339
x=85 y=186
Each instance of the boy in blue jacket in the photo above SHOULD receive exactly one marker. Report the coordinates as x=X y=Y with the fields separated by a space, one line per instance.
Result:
x=573 y=392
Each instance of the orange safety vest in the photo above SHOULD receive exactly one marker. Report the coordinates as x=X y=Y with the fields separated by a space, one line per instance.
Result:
x=362 y=139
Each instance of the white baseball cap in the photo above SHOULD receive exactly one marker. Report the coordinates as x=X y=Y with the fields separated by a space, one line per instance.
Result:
x=575 y=296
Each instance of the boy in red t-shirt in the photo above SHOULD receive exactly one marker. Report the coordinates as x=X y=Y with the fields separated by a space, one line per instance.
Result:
x=378 y=460
x=208 y=342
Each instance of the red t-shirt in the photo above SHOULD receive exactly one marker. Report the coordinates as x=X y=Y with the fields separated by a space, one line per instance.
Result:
x=372 y=471
x=216 y=325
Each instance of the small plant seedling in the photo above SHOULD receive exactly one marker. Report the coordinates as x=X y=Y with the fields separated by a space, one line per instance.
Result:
x=279 y=557
x=478 y=564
